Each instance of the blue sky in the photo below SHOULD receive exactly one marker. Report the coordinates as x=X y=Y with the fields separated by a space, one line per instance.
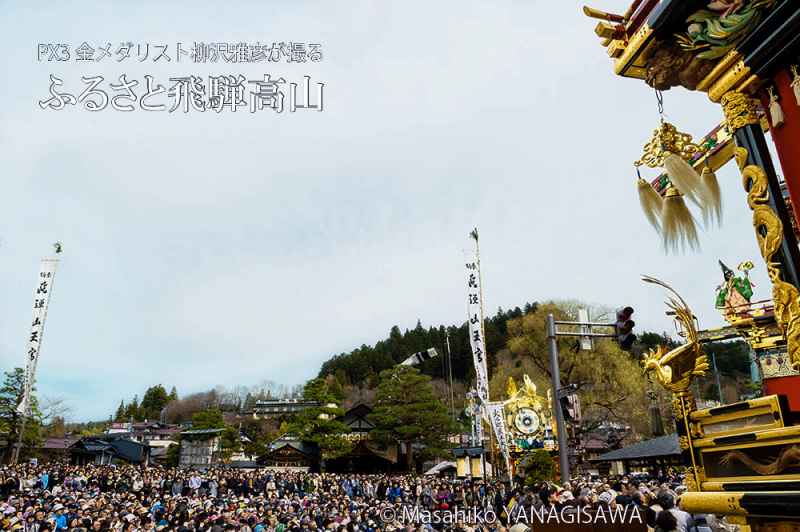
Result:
x=230 y=248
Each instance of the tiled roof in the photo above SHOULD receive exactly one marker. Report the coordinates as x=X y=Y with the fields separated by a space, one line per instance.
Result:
x=202 y=431
x=58 y=444
x=657 y=447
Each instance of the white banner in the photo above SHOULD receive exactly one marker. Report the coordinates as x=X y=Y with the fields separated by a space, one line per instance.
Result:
x=493 y=412
x=496 y=418
x=419 y=358
x=476 y=339
x=41 y=299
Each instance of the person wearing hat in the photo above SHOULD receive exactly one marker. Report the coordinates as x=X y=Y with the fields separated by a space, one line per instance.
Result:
x=59 y=517
x=733 y=296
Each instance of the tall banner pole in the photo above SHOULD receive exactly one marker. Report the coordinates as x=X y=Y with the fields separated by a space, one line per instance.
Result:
x=483 y=412
x=475 y=324
x=477 y=337
x=41 y=301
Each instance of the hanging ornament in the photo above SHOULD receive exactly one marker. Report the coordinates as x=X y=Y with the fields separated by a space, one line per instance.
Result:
x=796 y=83
x=651 y=201
x=671 y=149
x=679 y=229
x=675 y=152
x=712 y=211
x=775 y=110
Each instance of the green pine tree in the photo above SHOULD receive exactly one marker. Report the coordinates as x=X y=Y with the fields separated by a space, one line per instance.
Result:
x=406 y=410
x=208 y=419
x=322 y=425
x=11 y=422
x=538 y=466
x=153 y=402
x=119 y=416
x=132 y=410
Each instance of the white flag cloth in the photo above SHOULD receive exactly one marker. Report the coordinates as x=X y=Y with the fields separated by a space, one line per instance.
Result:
x=476 y=339
x=41 y=299
x=496 y=417
x=419 y=358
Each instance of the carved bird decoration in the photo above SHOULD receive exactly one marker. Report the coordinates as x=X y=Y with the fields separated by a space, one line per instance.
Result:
x=675 y=369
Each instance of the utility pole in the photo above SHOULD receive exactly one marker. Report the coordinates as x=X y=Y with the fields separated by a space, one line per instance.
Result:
x=584 y=331
x=555 y=374
x=450 y=375
x=18 y=444
x=656 y=424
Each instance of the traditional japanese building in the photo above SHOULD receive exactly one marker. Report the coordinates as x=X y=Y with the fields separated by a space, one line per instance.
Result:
x=201 y=448
x=281 y=407
x=651 y=456
x=109 y=449
x=367 y=456
x=288 y=452
x=53 y=449
x=146 y=431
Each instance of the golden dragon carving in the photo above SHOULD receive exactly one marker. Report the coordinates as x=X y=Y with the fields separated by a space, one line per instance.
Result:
x=769 y=233
x=788 y=458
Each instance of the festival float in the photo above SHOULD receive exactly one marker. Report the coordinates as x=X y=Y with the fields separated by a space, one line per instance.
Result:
x=743 y=459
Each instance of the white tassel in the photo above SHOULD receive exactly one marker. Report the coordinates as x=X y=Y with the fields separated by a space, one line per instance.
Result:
x=775 y=110
x=651 y=202
x=712 y=211
x=796 y=83
x=685 y=178
x=679 y=229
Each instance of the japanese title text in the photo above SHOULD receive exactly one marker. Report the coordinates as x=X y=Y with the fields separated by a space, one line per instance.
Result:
x=187 y=93
x=196 y=52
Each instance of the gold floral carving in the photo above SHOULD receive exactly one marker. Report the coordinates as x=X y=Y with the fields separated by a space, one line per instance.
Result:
x=689 y=480
x=677 y=409
x=739 y=110
x=666 y=140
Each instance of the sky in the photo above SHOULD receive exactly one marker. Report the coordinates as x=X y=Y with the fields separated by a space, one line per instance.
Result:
x=206 y=249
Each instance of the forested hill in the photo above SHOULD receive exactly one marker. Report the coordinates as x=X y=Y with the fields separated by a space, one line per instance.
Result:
x=362 y=365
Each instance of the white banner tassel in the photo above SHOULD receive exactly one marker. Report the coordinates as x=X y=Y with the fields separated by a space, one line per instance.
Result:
x=775 y=110
x=796 y=83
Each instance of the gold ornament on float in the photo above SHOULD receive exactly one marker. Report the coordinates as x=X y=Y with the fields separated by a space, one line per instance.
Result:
x=674 y=151
x=675 y=370
x=527 y=413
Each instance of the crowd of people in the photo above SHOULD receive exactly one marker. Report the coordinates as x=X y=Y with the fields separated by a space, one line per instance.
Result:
x=61 y=497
